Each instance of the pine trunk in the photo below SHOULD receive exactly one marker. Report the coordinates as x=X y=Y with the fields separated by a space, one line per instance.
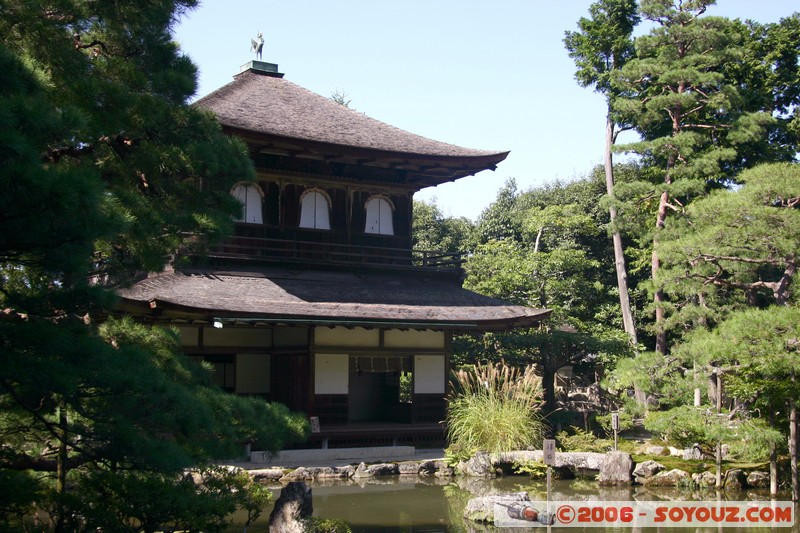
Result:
x=773 y=463
x=619 y=255
x=61 y=470
x=793 y=449
x=658 y=297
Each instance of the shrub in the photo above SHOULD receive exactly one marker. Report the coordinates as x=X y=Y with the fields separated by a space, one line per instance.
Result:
x=535 y=469
x=582 y=441
x=579 y=440
x=625 y=422
x=326 y=525
x=494 y=408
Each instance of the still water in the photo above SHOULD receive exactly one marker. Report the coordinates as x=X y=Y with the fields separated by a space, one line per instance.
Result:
x=436 y=506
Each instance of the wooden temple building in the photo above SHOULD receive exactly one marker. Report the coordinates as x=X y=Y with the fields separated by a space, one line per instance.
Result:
x=318 y=300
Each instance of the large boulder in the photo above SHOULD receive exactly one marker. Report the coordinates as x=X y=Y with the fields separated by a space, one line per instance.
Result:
x=408 y=468
x=735 y=479
x=646 y=470
x=479 y=465
x=428 y=467
x=380 y=469
x=616 y=469
x=291 y=509
x=693 y=453
x=574 y=463
x=656 y=450
x=672 y=478
x=758 y=479
x=265 y=475
x=319 y=472
x=705 y=479
x=481 y=509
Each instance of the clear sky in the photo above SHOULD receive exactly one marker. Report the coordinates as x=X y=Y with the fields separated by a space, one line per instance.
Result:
x=483 y=74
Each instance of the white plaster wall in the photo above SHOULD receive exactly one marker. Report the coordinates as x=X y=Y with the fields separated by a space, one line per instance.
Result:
x=330 y=373
x=429 y=374
x=395 y=338
x=252 y=373
x=351 y=337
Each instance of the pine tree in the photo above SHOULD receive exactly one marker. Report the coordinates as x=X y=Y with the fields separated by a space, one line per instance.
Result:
x=106 y=173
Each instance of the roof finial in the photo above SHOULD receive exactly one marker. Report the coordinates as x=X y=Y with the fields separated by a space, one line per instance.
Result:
x=257 y=45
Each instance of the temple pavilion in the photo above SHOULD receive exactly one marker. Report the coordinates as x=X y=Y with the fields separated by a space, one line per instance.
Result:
x=318 y=300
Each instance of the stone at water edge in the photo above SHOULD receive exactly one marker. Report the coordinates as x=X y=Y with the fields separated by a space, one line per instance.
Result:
x=291 y=509
x=758 y=479
x=704 y=479
x=673 y=478
x=479 y=465
x=481 y=509
x=735 y=479
x=616 y=469
x=647 y=469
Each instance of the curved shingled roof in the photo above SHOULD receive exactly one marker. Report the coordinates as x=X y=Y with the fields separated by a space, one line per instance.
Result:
x=265 y=103
x=322 y=297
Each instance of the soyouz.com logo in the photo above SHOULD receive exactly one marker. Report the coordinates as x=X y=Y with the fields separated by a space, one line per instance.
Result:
x=644 y=514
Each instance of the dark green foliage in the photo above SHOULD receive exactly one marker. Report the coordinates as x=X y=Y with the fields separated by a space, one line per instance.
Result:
x=500 y=220
x=558 y=261
x=432 y=230
x=603 y=43
x=106 y=173
x=327 y=525
x=142 y=501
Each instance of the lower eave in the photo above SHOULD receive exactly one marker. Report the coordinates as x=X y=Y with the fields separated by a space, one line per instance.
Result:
x=329 y=299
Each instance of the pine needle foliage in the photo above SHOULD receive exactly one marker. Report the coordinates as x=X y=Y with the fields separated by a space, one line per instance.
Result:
x=494 y=408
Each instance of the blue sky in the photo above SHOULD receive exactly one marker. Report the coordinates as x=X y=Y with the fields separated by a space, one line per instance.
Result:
x=483 y=74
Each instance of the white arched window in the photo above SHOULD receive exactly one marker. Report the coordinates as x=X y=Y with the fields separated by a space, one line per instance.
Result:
x=315 y=207
x=251 y=197
x=379 y=216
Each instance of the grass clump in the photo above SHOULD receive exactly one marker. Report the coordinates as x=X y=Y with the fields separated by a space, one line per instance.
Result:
x=494 y=408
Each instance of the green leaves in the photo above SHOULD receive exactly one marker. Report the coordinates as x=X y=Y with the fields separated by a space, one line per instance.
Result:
x=106 y=173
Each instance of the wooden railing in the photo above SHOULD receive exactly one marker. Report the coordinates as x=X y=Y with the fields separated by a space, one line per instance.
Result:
x=306 y=252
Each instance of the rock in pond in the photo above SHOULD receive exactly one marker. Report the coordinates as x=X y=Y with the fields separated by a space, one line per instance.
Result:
x=380 y=469
x=481 y=509
x=735 y=479
x=646 y=470
x=291 y=509
x=319 y=472
x=705 y=479
x=576 y=463
x=616 y=469
x=758 y=479
x=479 y=465
x=672 y=478
x=262 y=475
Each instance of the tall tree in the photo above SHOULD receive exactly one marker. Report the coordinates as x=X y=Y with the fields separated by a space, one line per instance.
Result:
x=759 y=349
x=501 y=219
x=736 y=248
x=106 y=173
x=432 y=230
x=601 y=47
x=554 y=264
x=693 y=120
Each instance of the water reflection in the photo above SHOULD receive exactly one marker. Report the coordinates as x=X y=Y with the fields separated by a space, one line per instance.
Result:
x=435 y=505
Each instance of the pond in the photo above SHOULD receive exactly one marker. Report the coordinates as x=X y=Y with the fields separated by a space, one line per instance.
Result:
x=431 y=505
